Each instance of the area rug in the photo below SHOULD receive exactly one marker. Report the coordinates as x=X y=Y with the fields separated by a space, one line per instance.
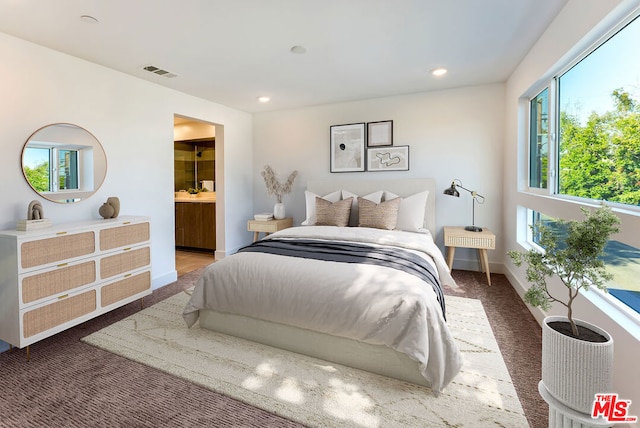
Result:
x=315 y=392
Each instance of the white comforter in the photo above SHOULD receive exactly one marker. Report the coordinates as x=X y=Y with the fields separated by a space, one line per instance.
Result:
x=373 y=304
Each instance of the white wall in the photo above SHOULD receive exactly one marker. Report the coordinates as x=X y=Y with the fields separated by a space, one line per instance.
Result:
x=578 y=25
x=451 y=134
x=133 y=119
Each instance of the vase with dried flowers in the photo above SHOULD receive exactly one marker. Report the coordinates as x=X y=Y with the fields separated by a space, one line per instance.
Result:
x=278 y=188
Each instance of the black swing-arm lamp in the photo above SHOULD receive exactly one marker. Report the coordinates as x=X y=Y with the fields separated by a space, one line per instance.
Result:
x=452 y=191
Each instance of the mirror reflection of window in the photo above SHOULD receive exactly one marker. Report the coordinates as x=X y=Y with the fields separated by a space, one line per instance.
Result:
x=68 y=170
x=36 y=168
x=47 y=176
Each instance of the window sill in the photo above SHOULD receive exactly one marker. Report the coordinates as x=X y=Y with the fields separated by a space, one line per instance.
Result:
x=620 y=313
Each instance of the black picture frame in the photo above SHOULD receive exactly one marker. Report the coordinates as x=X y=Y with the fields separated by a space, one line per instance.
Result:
x=380 y=133
x=347 y=147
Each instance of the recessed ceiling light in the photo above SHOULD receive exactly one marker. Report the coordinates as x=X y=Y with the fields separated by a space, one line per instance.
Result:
x=440 y=71
x=88 y=19
x=264 y=99
x=298 y=49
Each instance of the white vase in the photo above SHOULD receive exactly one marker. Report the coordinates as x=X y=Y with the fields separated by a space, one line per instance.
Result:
x=278 y=211
x=574 y=370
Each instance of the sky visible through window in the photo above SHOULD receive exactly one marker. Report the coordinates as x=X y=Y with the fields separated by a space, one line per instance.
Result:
x=33 y=157
x=587 y=87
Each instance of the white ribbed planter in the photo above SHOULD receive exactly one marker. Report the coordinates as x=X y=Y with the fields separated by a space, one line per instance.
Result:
x=574 y=370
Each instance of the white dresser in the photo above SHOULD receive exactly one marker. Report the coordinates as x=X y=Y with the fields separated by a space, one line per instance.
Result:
x=52 y=279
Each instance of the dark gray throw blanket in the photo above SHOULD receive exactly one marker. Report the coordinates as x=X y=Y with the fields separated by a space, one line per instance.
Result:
x=346 y=252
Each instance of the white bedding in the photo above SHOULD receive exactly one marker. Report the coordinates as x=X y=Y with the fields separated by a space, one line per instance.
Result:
x=373 y=304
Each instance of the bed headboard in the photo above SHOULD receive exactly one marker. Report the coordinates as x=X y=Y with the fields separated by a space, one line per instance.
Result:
x=401 y=187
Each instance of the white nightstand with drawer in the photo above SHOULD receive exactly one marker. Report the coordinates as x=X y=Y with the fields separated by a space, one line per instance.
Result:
x=459 y=237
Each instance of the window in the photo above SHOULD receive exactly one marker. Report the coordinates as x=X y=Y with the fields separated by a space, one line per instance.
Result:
x=67 y=169
x=51 y=169
x=584 y=146
x=621 y=260
x=599 y=122
x=538 y=140
x=36 y=168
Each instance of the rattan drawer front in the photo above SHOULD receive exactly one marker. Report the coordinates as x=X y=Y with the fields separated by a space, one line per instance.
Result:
x=124 y=235
x=51 y=283
x=51 y=250
x=124 y=262
x=127 y=287
x=47 y=317
x=470 y=242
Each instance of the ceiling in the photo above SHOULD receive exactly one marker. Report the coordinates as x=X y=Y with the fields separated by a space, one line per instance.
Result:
x=233 y=51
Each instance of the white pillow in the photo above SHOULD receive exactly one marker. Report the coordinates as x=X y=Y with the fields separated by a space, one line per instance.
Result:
x=310 y=199
x=411 y=211
x=355 y=211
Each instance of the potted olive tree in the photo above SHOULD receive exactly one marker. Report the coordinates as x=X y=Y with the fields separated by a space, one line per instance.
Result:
x=577 y=357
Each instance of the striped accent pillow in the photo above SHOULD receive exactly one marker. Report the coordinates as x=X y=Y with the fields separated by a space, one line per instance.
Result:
x=380 y=216
x=333 y=213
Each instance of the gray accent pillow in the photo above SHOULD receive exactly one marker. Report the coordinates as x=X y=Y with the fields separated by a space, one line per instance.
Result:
x=333 y=213
x=380 y=216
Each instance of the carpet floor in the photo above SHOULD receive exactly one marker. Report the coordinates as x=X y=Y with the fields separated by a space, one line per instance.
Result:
x=315 y=392
x=72 y=384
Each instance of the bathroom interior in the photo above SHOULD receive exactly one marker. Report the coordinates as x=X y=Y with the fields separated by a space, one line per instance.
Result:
x=194 y=192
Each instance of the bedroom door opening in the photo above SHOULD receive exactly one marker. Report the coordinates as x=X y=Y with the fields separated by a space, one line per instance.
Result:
x=195 y=196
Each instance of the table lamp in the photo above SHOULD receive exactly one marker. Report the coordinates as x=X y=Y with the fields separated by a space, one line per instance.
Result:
x=452 y=191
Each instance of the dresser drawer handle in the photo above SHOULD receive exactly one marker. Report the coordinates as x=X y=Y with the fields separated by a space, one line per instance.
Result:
x=61 y=233
x=126 y=222
x=126 y=249
x=63 y=296
x=62 y=264
x=127 y=275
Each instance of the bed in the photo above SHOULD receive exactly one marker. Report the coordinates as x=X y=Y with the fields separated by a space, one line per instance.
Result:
x=366 y=297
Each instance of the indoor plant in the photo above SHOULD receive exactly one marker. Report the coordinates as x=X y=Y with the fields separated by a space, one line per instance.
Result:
x=278 y=188
x=194 y=191
x=577 y=357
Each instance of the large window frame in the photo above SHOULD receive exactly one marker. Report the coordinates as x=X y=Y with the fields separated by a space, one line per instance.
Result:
x=548 y=199
x=552 y=88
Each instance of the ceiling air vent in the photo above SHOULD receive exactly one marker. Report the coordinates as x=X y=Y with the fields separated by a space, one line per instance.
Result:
x=160 y=72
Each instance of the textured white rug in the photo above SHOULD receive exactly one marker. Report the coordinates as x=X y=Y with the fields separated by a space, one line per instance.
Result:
x=317 y=393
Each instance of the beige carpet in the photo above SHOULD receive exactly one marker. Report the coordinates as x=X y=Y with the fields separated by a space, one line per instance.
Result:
x=317 y=393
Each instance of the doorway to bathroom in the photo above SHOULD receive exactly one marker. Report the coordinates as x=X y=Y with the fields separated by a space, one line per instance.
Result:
x=194 y=193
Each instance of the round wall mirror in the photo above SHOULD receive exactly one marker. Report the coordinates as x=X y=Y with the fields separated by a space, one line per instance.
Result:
x=64 y=163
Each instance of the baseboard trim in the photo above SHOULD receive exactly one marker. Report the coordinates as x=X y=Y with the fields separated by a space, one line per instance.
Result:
x=537 y=313
x=164 y=279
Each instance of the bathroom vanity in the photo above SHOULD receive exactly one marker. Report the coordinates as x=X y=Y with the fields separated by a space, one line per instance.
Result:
x=196 y=221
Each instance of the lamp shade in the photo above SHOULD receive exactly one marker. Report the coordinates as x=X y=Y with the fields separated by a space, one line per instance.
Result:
x=452 y=191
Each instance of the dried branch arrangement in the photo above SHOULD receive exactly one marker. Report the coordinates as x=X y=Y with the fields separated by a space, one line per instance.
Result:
x=275 y=186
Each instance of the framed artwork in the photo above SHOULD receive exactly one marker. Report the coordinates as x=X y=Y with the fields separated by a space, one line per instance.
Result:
x=380 y=133
x=388 y=158
x=347 y=147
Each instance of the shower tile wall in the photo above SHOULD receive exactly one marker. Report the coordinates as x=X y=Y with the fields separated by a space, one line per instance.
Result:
x=192 y=156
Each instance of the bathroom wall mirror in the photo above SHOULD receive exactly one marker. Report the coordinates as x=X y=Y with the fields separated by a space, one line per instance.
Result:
x=64 y=163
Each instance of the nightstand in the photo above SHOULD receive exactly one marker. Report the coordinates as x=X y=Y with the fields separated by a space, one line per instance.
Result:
x=269 y=226
x=459 y=237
